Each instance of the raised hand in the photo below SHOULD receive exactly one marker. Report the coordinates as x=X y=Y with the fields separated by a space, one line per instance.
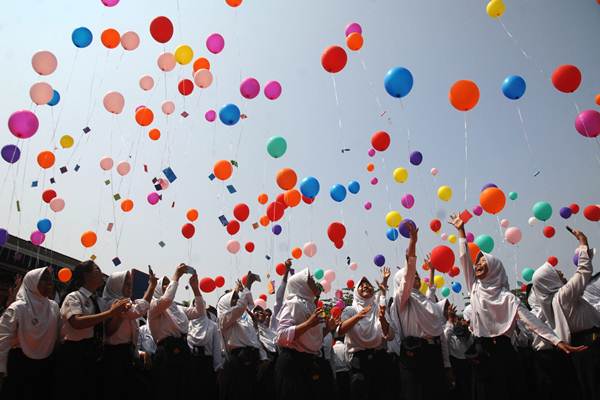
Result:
x=583 y=241
x=179 y=271
x=364 y=312
x=315 y=318
x=455 y=221
x=120 y=306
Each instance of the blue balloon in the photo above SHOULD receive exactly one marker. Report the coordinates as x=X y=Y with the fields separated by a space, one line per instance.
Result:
x=229 y=114
x=82 y=37
x=338 y=192
x=398 y=82
x=55 y=98
x=44 y=225
x=276 y=229
x=392 y=234
x=309 y=187
x=514 y=87
x=456 y=287
x=354 y=187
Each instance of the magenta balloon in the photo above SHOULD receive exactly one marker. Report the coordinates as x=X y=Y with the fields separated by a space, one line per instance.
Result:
x=470 y=237
x=408 y=200
x=110 y=3
x=215 y=43
x=250 y=88
x=37 y=238
x=477 y=210
x=23 y=124
x=272 y=90
x=41 y=93
x=44 y=62
x=587 y=123
x=210 y=115
x=368 y=205
x=153 y=198
x=130 y=41
x=353 y=27
x=371 y=152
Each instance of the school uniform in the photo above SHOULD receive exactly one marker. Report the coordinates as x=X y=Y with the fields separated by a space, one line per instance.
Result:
x=592 y=292
x=204 y=340
x=341 y=368
x=459 y=340
x=28 y=334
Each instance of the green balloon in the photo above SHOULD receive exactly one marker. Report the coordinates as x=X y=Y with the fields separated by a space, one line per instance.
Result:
x=542 y=210
x=319 y=274
x=276 y=146
x=527 y=274
x=513 y=195
x=445 y=292
x=485 y=243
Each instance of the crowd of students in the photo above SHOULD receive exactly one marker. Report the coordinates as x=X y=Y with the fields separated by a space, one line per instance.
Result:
x=97 y=343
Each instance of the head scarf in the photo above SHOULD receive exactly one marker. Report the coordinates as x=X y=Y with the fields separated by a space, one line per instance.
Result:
x=113 y=289
x=367 y=332
x=173 y=312
x=546 y=283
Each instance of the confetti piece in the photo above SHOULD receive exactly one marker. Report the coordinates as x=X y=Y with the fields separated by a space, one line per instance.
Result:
x=93 y=257
x=231 y=189
x=169 y=174
x=18 y=206
x=223 y=220
x=117 y=197
x=173 y=205
x=34 y=184
x=184 y=114
x=234 y=163
x=107 y=182
x=116 y=261
x=87 y=129
x=77 y=167
x=52 y=180
x=63 y=170
x=271 y=287
x=268 y=257
x=110 y=227
x=145 y=168
x=255 y=225
x=212 y=177
x=162 y=244
x=158 y=186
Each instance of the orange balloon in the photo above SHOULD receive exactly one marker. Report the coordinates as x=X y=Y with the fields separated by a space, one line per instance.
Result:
x=233 y=3
x=473 y=251
x=192 y=214
x=292 y=197
x=464 y=95
x=65 y=275
x=296 y=252
x=201 y=63
x=492 y=200
x=286 y=178
x=354 y=41
x=127 y=205
x=88 y=239
x=370 y=167
x=144 y=116
x=46 y=159
x=223 y=169
x=264 y=220
x=598 y=95
x=154 y=134
x=263 y=198
x=110 y=38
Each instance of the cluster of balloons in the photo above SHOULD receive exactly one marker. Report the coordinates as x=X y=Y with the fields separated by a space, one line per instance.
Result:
x=336 y=233
x=354 y=38
x=250 y=88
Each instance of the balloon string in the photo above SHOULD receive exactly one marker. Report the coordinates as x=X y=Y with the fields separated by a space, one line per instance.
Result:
x=518 y=45
x=371 y=87
x=527 y=142
x=466 y=155
x=578 y=110
x=64 y=97
x=337 y=103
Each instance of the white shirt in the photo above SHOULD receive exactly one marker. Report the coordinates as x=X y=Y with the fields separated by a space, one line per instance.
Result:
x=127 y=332
x=205 y=333
x=236 y=325
x=592 y=293
x=353 y=340
x=268 y=338
x=146 y=342
x=77 y=303
x=340 y=357
x=457 y=347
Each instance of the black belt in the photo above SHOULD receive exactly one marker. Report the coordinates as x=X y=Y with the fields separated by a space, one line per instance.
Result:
x=588 y=336
x=411 y=343
x=171 y=340
x=299 y=354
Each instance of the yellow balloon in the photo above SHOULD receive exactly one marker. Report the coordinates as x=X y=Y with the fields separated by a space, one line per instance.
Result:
x=66 y=141
x=452 y=238
x=444 y=193
x=423 y=288
x=495 y=8
x=400 y=175
x=393 y=219
x=184 y=54
x=438 y=281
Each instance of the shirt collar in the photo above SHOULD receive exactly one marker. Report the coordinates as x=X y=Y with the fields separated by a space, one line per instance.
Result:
x=85 y=292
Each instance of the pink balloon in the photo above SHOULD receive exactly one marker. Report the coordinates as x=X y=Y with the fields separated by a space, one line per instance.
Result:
x=250 y=88
x=44 y=62
x=110 y=3
x=329 y=275
x=368 y=205
x=374 y=181
x=210 y=115
x=168 y=107
x=130 y=41
x=587 y=123
x=513 y=235
x=106 y=163
x=326 y=286
x=57 y=204
x=434 y=171
x=23 y=124
x=114 y=102
x=444 y=236
x=166 y=62
x=353 y=266
x=260 y=303
x=123 y=168
x=477 y=210
x=203 y=78
x=272 y=90
x=353 y=27
x=504 y=223
x=153 y=198
x=37 y=238
x=310 y=249
x=470 y=237
x=41 y=93
x=146 y=82
x=233 y=246
x=215 y=43
x=371 y=153
x=408 y=200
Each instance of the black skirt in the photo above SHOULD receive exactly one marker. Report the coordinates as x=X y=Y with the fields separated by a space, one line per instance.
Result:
x=421 y=363
x=555 y=377
x=587 y=363
x=369 y=375
x=28 y=379
x=302 y=376
x=78 y=370
x=171 y=369
x=239 y=378
x=203 y=373
x=462 y=377
x=118 y=372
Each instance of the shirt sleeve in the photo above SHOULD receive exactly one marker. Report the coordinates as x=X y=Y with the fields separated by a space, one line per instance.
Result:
x=157 y=307
x=574 y=288
x=217 y=355
x=8 y=331
x=286 y=330
x=403 y=292
x=278 y=303
x=536 y=326
x=445 y=352
x=71 y=306
x=466 y=263
x=229 y=317
x=198 y=310
x=138 y=309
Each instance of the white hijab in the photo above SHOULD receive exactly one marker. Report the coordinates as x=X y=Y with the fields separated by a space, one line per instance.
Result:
x=425 y=312
x=173 y=312
x=367 y=332
x=113 y=289
x=494 y=306
x=38 y=329
x=546 y=283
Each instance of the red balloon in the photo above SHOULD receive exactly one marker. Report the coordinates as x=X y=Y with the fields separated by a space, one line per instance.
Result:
x=263 y=296
x=281 y=198
x=233 y=227
x=592 y=213
x=319 y=303
x=245 y=280
x=307 y=200
x=553 y=261
x=219 y=281
x=435 y=225
x=336 y=232
x=574 y=208
x=280 y=269
x=188 y=230
x=566 y=78
x=336 y=312
x=241 y=212
x=161 y=29
x=549 y=231
x=339 y=244
x=524 y=288
x=454 y=271
x=380 y=141
x=249 y=247
x=350 y=284
x=48 y=195
x=275 y=211
x=186 y=87
x=442 y=258
x=207 y=285
x=334 y=59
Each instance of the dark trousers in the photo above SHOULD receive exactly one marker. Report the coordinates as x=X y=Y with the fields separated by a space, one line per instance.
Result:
x=239 y=378
x=342 y=385
x=118 y=372
x=587 y=363
x=302 y=376
x=369 y=375
x=463 y=379
x=203 y=373
x=78 y=373
x=420 y=365
x=555 y=377
x=171 y=370
x=28 y=379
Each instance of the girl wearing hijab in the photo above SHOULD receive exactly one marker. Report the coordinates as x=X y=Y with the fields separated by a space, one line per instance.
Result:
x=459 y=338
x=367 y=332
x=494 y=314
x=574 y=319
x=83 y=333
x=300 y=373
x=169 y=327
x=28 y=333
x=121 y=334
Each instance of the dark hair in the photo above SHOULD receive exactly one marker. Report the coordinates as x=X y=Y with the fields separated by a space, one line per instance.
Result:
x=79 y=273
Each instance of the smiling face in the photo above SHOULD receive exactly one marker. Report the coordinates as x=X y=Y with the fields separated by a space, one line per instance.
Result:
x=481 y=266
x=365 y=289
x=45 y=285
x=127 y=288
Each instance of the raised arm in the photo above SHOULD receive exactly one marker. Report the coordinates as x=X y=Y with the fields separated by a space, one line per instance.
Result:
x=575 y=286
x=198 y=309
x=237 y=306
x=157 y=307
x=279 y=294
x=463 y=251
x=411 y=268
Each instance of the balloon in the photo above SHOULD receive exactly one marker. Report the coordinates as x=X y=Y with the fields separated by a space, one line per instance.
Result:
x=474 y=250
x=336 y=231
x=353 y=266
x=576 y=259
x=41 y=93
x=393 y=219
x=272 y=90
x=184 y=54
x=470 y=237
x=370 y=167
x=146 y=82
x=513 y=195
x=379 y=260
x=350 y=284
x=153 y=198
x=250 y=88
x=88 y=239
x=310 y=249
x=438 y=281
x=456 y=287
x=310 y=187
x=435 y=225
x=329 y=275
x=513 y=86
x=144 y=116
x=233 y=246
x=368 y=205
x=489 y=185
x=161 y=29
x=477 y=210
x=513 y=235
x=338 y=192
x=398 y=82
x=210 y=115
x=275 y=211
x=319 y=273
x=46 y=159
x=444 y=236
x=565 y=212
x=154 y=134
x=445 y=292
x=229 y=114
x=353 y=27
x=452 y=238
x=114 y=102
x=223 y=170
x=280 y=269
x=110 y=38
x=444 y=193
x=442 y=258
x=400 y=175
x=203 y=78
x=407 y=200
x=492 y=200
x=130 y=41
x=207 y=285
x=380 y=140
x=485 y=243
x=587 y=123
x=566 y=78
x=276 y=146
x=201 y=63
x=552 y=261
x=354 y=41
x=263 y=198
x=495 y=8
x=166 y=62
x=574 y=208
x=527 y=274
x=168 y=107
x=55 y=98
x=234 y=3
x=82 y=37
x=11 y=153
x=123 y=168
x=416 y=158
x=392 y=234
x=434 y=171
x=44 y=62
x=215 y=43
x=276 y=229
x=65 y=275
x=542 y=210
x=592 y=213
x=48 y=195
x=44 y=225
x=192 y=214
x=188 y=230
x=106 y=163
x=334 y=59
x=504 y=223
x=464 y=95
x=296 y=252
x=326 y=286
x=249 y=247
x=23 y=124
x=598 y=99
x=403 y=228
x=127 y=205
x=241 y=212
x=292 y=197
x=286 y=178
x=531 y=221
x=371 y=152
x=57 y=204
x=185 y=87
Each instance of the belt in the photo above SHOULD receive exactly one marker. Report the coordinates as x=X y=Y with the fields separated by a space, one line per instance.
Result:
x=587 y=336
x=170 y=339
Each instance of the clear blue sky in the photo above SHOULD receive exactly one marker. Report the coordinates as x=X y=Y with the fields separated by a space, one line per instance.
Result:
x=440 y=42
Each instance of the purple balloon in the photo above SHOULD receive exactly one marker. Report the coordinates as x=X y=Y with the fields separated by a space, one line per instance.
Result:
x=565 y=212
x=11 y=153
x=210 y=115
x=353 y=27
x=250 y=88
x=3 y=236
x=488 y=185
x=23 y=124
x=477 y=210
x=470 y=237
x=37 y=238
x=587 y=123
x=576 y=259
x=371 y=152
x=276 y=229
x=408 y=200
x=403 y=227
x=272 y=90
x=215 y=43
x=379 y=260
x=416 y=158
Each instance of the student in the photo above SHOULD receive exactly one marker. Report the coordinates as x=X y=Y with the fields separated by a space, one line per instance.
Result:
x=494 y=313
x=459 y=340
x=28 y=333
x=300 y=372
x=169 y=327
x=121 y=335
x=268 y=341
x=341 y=368
x=574 y=319
x=592 y=291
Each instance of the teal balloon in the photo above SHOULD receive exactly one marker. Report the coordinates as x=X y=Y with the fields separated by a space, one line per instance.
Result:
x=527 y=274
x=277 y=146
x=513 y=195
x=542 y=210
x=319 y=273
x=445 y=292
x=485 y=243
